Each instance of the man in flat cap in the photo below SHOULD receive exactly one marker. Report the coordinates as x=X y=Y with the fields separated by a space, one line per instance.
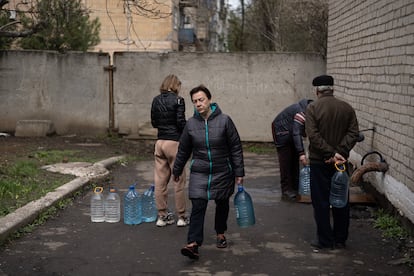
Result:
x=332 y=130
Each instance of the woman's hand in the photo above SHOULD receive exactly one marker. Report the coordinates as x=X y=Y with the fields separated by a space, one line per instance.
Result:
x=303 y=160
x=239 y=180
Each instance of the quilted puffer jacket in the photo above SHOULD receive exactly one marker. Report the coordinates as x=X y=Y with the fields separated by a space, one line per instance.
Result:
x=168 y=115
x=289 y=126
x=217 y=155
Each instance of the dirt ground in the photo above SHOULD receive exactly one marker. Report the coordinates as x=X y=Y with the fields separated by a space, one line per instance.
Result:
x=12 y=148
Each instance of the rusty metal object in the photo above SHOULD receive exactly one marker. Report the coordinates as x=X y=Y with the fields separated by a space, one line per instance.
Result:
x=368 y=167
x=380 y=166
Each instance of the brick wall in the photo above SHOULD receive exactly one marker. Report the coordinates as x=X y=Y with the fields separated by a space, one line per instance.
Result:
x=371 y=56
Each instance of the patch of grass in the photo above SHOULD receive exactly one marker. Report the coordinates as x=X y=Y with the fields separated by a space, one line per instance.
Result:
x=22 y=169
x=390 y=226
x=259 y=148
x=111 y=139
x=46 y=157
x=23 y=181
x=14 y=178
x=15 y=193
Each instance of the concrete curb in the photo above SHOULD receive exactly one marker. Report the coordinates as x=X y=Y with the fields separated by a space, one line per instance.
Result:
x=28 y=213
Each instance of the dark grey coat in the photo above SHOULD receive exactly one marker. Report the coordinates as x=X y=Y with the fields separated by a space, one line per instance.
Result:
x=332 y=127
x=287 y=130
x=217 y=155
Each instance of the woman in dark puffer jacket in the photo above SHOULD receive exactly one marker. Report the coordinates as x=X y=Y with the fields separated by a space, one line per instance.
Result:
x=216 y=166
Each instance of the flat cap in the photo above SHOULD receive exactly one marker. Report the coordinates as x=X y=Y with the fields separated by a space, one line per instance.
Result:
x=323 y=80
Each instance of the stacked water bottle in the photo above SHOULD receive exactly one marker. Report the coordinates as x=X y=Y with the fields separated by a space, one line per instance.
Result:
x=105 y=208
x=304 y=181
x=137 y=208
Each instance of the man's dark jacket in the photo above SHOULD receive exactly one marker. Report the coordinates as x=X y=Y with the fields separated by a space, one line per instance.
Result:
x=286 y=131
x=332 y=127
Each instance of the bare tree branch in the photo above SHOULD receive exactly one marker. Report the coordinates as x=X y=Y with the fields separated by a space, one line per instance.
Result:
x=3 y=2
x=9 y=24
x=16 y=33
x=149 y=9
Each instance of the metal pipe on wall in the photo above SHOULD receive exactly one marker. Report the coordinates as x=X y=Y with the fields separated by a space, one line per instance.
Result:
x=111 y=126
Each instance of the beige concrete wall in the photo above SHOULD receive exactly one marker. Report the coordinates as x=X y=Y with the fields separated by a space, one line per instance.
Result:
x=371 y=56
x=251 y=87
x=70 y=90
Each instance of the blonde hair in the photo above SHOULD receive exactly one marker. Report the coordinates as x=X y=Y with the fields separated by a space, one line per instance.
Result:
x=171 y=83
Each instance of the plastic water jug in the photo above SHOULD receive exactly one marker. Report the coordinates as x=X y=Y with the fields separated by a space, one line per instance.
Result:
x=244 y=208
x=97 y=205
x=304 y=181
x=338 y=197
x=112 y=206
x=132 y=207
x=149 y=210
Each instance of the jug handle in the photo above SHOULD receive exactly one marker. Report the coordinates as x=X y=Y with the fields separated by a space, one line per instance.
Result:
x=339 y=169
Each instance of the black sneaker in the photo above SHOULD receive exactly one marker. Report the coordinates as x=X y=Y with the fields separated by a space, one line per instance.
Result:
x=221 y=242
x=340 y=245
x=289 y=195
x=190 y=251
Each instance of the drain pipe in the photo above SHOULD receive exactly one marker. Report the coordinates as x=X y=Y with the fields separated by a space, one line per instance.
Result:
x=362 y=136
x=111 y=127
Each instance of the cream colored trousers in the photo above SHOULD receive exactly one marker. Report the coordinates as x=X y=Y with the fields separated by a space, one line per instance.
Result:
x=165 y=152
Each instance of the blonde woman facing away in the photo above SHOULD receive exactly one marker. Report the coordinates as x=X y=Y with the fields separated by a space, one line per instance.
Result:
x=168 y=116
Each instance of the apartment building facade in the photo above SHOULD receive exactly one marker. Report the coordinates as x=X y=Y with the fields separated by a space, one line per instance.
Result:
x=154 y=25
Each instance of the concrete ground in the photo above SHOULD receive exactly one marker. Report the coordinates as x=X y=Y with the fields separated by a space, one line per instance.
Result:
x=70 y=244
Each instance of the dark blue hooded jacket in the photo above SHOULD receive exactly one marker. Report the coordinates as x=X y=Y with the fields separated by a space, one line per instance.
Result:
x=289 y=126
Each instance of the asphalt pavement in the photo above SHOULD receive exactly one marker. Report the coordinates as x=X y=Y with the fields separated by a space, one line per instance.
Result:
x=278 y=244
